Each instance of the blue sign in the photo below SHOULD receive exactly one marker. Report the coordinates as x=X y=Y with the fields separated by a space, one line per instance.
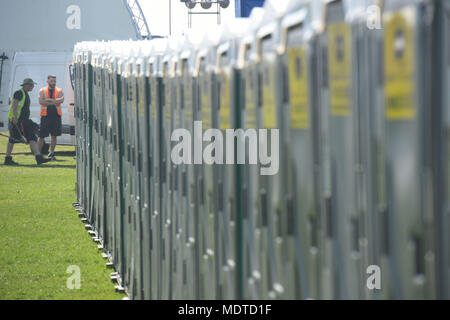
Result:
x=244 y=7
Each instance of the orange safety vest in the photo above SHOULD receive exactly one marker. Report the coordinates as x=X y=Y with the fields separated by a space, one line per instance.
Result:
x=56 y=92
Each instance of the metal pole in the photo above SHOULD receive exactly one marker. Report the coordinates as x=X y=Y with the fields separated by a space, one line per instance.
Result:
x=190 y=18
x=218 y=14
x=3 y=57
x=170 y=17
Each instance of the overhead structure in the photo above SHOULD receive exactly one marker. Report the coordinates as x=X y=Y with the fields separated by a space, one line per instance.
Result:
x=138 y=18
x=205 y=4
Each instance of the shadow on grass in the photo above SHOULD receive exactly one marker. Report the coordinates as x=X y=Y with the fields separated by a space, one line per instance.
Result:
x=65 y=153
x=50 y=164
x=57 y=153
x=44 y=165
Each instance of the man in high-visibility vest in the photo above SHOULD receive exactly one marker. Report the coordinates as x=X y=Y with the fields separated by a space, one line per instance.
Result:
x=19 y=123
x=50 y=99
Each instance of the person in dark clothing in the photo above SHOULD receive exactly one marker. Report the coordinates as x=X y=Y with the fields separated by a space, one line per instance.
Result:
x=21 y=128
x=50 y=99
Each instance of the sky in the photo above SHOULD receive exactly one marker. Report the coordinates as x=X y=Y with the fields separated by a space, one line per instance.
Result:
x=157 y=15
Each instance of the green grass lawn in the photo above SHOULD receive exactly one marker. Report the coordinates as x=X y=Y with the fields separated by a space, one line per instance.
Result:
x=41 y=234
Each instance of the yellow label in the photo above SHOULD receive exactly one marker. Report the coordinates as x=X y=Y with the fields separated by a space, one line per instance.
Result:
x=188 y=98
x=168 y=99
x=141 y=99
x=175 y=102
x=225 y=101
x=250 y=120
x=399 y=64
x=206 y=103
x=298 y=88
x=340 y=68
x=153 y=104
x=268 y=95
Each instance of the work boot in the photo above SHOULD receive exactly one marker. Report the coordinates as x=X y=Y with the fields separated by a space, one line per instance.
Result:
x=10 y=162
x=51 y=156
x=45 y=148
x=40 y=159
